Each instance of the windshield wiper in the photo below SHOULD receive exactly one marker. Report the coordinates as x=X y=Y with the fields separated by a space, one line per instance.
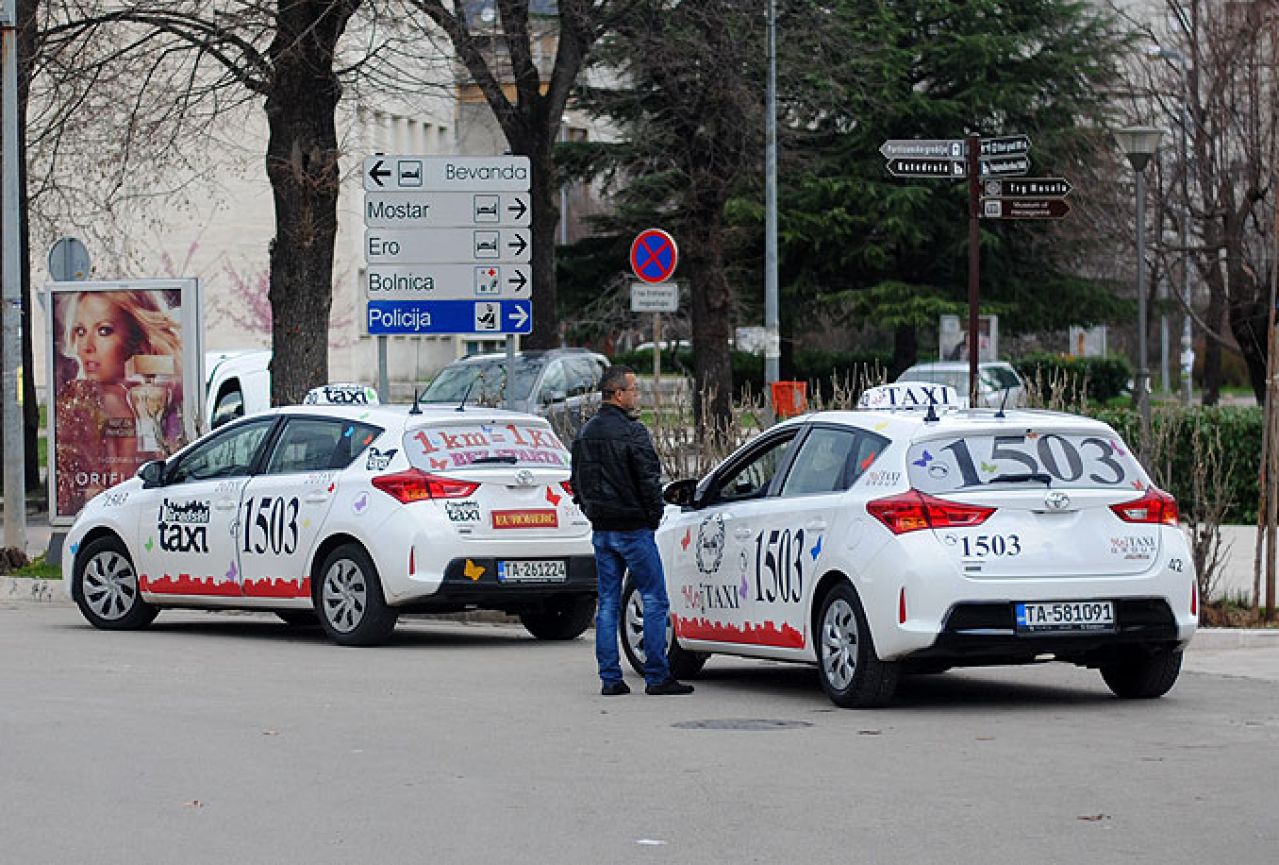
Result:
x=1025 y=477
x=509 y=460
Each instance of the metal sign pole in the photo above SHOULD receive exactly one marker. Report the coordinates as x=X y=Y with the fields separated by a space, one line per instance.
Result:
x=15 y=493
x=657 y=350
x=383 y=384
x=509 y=400
x=974 y=261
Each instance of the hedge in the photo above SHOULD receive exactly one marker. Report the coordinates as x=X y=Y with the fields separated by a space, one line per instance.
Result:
x=1174 y=465
x=1103 y=378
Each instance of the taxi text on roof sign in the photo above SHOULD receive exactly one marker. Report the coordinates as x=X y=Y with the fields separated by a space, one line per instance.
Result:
x=909 y=395
x=341 y=394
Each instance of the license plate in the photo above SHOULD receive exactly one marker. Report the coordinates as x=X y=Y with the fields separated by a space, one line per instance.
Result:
x=1065 y=616
x=532 y=571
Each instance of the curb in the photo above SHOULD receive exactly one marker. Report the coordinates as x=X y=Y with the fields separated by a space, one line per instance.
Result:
x=32 y=589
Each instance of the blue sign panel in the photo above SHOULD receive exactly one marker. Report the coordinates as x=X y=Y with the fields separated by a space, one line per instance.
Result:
x=450 y=316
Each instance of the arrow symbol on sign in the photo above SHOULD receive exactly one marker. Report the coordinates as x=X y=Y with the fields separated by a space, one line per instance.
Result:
x=519 y=316
x=377 y=172
x=519 y=244
x=519 y=281
x=519 y=208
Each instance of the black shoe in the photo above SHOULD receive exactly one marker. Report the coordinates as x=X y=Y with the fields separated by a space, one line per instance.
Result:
x=670 y=686
x=614 y=689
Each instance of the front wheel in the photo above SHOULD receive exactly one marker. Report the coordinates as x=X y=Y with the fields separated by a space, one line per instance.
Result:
x=563 y=618
x=852 y=674
x=107 y=587
x=683 y=663
x=353 y=611
x=1141 y=674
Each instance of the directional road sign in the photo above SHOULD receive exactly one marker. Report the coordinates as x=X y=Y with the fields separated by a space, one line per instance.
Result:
x=1004 y=165
x=447 y=173
x=926 y=168
x=1028 y=187
x=654 y=255
x=924 y=148
x=1024 y=208
x=446 y=209
x=447 y=246
x=1008 y=145
x=449 y=316
x=448 y=281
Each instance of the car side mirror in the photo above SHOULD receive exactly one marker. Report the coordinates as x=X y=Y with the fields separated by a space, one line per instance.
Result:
x=152 y=474
x=681 y=492
x=551 y=397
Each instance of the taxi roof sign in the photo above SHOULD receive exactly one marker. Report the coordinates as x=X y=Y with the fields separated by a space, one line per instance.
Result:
x=341 y=394
x=909 y=395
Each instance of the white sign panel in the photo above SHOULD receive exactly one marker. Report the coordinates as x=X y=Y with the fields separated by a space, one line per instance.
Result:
x=446 y=209
x=654 y=297
x=447 y=173
x=448 y=281
x=447 y=246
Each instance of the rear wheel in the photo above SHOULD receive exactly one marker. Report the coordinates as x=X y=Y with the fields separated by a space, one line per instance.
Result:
x=852 y=674
x=563 y=618
x=353 y=611
x=683 y=663
x=107 y=587
x=1141 y=674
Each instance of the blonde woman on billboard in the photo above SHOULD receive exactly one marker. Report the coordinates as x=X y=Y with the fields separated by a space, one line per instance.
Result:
x=119 y=403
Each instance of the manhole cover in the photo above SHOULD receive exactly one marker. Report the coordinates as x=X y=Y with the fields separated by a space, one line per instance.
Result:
x=740 y=724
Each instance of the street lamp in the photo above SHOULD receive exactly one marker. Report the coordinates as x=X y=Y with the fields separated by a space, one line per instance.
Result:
x=1139 y=143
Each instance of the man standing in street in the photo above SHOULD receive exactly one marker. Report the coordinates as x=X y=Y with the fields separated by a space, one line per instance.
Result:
x=617 y=482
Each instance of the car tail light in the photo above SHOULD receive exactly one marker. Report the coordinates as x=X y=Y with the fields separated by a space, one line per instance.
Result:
x=1156 y=506
x=901 y=607
x=912 y=510
x=1194 y=598
x=568 y=488
x=415 y=485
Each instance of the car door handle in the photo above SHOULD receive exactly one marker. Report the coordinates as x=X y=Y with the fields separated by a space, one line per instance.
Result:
x=226 y=504
x=815 y=525
x=316 y=498
x=741 y=532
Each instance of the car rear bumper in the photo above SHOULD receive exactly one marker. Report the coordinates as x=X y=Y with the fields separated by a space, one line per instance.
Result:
x=472 y=582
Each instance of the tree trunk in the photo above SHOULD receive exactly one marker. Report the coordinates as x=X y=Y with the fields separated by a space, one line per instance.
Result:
x=302 y=165
x=544 y=195
x=712 y=314
x=1212 y=346
x=905 y=349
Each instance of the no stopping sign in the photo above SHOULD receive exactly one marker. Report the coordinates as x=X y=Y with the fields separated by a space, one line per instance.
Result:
x=654 y=255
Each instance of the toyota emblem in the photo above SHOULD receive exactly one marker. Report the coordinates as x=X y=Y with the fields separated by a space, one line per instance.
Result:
x=524 y=478
x=1056 y=500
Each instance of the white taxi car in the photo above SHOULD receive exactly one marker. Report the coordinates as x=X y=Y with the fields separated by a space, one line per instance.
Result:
x=349 y=512
x=911 y=536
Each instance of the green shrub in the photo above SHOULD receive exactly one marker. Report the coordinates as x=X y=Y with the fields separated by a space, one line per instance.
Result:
x=1174 y=462
x=1071 y=378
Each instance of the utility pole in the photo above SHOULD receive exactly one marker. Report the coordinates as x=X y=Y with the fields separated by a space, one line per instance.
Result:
x=773 y=347
x=15 y=493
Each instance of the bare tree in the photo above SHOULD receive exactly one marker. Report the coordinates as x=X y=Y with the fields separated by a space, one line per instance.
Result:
x=528 y=96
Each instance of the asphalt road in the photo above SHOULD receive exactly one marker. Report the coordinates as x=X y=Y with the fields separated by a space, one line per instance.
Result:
x=230 y=738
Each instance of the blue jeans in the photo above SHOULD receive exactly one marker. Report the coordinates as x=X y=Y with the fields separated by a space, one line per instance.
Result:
x=615 y=553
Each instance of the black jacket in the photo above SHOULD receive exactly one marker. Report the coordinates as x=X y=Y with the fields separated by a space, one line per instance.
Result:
x=617 y=479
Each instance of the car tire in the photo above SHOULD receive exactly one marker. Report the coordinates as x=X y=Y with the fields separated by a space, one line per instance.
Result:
x=852 y=674
x=348 y=596
x=1141 y=674
x=562 y=618
x=299 y=618
x=106 y=587
x=684 y=664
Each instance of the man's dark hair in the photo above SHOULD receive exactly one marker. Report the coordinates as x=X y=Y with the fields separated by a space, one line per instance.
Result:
x=614 y=379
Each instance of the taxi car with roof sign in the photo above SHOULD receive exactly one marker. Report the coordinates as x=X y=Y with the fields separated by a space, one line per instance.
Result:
x=348 y=512
x=911 y=535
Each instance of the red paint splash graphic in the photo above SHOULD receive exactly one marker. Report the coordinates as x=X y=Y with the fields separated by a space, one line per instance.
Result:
x=185 y=584
x=766 y=634
x=277 y=587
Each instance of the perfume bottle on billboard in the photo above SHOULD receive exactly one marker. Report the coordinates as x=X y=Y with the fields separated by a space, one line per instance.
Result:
x=150 y=399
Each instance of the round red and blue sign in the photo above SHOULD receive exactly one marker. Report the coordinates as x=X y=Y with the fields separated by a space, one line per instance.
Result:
x=654 y=255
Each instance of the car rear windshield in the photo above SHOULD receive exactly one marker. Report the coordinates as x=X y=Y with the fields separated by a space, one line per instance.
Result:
x=482 y=382
x=1091 y=460
x=457 y=445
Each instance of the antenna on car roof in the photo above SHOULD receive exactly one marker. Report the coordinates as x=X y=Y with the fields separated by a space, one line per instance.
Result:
x=931 y=417
x=417 y=409
x=462 y=405
x=1003 y=402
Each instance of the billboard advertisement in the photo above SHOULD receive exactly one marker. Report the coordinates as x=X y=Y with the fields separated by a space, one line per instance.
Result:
x=952 y=335
x=124 y=382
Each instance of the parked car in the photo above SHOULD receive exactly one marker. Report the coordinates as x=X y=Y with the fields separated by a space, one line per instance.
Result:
x=237 y=383
x=560 y=384
x=998 y=384
x=913 y=536
x=345 y=512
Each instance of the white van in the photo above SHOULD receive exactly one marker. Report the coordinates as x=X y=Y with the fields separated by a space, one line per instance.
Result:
x=237 y=383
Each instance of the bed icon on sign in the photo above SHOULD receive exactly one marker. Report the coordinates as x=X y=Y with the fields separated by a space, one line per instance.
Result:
x=486 y=316
x=486 y=244
x=488 y=281
x=486 y=208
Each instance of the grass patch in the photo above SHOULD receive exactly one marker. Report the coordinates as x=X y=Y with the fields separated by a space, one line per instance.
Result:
x=40 y=569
